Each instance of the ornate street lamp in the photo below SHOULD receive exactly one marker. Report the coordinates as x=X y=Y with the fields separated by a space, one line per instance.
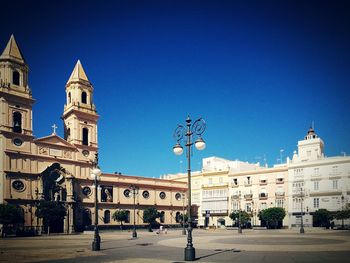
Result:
x=302 y=231
x=135 y=191
x=183 y=214
x=342 y=209
x=95 y=175
x=239 y=214
x=195 y=129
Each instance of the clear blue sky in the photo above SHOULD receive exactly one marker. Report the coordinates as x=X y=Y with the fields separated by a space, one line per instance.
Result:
x=258 y=72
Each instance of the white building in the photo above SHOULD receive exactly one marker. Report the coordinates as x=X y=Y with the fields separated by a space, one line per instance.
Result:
x=309 y=179
x=316 y=181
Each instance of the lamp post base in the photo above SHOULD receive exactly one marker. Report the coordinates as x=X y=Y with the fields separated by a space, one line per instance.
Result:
x=97 y=241
x=190 y=254
x=134 y=233
x=302 y=231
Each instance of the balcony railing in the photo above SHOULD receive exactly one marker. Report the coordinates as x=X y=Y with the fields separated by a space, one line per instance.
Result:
x=263 y=182
x=247 y=183
x=248 y=196
x=279 y=194
x=263 y=196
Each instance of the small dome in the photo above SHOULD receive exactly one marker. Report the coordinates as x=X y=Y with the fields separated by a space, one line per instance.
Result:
x=311 y=134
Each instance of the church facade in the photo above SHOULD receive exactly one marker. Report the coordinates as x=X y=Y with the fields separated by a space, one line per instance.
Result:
x=59 y=169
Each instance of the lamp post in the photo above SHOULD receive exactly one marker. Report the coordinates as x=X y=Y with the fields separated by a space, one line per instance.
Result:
x=239 y=214
x=95 y=175
x=183 y=214
x=302 y=231
x=135 y=191
x=195 y=129
x=342 y=209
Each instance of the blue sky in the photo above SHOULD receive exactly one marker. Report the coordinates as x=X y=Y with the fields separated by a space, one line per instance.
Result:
x=258 y=72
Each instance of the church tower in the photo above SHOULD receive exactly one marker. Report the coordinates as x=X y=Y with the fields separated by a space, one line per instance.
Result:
x=16 y=103
x=80 y=116
x=15 y=96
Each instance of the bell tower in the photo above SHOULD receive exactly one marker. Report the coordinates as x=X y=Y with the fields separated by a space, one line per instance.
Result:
x=80 y=116
x=15 y=96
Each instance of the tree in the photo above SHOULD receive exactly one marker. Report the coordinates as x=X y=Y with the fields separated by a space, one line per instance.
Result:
x=150 y=215
x=343 y=214
x=243 y=215
x=322 y=218
x=120 y=216
x=50 y=212
x=10 y=215
x=272 y=216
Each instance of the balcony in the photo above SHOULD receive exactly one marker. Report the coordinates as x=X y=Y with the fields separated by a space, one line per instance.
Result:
x=235 y=196
x=279 y=181
x=234 y=185
x=248 y=183
x=263 y=196
x=263 y=182
x=248 y=196
x=279 y=194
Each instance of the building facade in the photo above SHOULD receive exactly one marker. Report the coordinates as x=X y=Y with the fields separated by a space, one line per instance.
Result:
x=225 y=186
x=59 y=169
x=307 y=182
x=316 y=181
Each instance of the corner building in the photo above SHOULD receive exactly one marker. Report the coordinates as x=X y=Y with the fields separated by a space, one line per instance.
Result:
x=59 y=169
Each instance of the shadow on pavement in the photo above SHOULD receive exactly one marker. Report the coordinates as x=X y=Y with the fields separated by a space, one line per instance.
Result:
x=219 y=251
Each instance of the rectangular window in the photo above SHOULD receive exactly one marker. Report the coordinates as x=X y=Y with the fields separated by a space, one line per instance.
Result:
x=316 y=185
x=316 y=202
x=279 y=203
x=235 y=181
x=335 y=184
x=248 y=207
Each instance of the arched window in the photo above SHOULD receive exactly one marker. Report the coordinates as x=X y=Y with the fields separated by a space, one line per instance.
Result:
x=177 y=217
x=83 y=97
x=162 y=217
x=15 y=77
x=67 y=135
x=127 y=216
x=69 y=97
x=107 y=217
x=17 y=122
x=85 y=136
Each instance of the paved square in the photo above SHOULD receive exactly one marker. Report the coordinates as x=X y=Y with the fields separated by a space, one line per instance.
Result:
x=315 y=245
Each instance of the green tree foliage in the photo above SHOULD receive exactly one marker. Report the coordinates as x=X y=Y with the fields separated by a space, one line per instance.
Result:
x=272 y=216
x=322 y=218
x=342 y=215
x=243 y=215
x=10 y=215
x=50 y=212
x=150 y=216
x=120 y=216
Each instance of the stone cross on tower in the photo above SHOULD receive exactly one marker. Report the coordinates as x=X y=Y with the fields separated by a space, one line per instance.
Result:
x=54 y=127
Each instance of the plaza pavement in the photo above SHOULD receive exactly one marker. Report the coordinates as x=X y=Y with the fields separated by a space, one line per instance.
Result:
x=316 y=245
